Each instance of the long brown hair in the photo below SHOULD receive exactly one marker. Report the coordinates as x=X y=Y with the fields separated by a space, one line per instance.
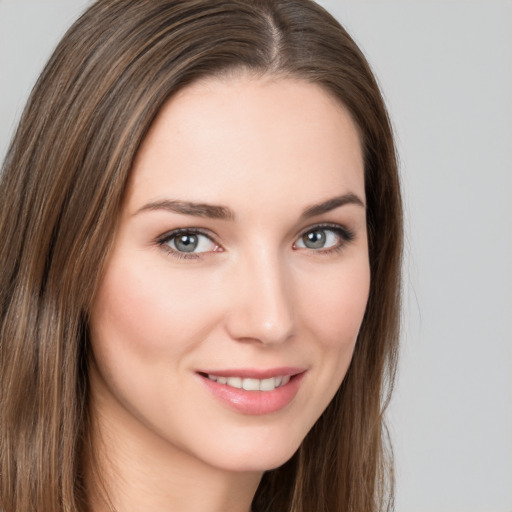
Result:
x=60 y=195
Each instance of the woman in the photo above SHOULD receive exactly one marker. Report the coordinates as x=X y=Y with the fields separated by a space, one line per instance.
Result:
x=201 y=226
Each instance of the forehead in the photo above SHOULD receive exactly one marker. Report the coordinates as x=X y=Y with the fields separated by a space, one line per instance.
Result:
x=239 y=139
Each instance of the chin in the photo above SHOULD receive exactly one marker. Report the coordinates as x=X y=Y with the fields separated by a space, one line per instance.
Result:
x=255 y=450
x=255 y=461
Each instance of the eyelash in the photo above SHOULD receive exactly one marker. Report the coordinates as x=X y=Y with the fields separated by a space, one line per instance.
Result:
x=345 y=235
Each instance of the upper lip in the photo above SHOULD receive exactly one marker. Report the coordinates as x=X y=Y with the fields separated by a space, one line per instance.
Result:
x=255 y=373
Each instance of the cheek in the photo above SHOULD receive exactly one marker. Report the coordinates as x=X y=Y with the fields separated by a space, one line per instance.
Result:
x=140 y=310
x=332 y=311
x=335 y=305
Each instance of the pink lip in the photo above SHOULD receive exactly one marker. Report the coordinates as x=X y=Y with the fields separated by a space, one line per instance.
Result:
x=255 y=402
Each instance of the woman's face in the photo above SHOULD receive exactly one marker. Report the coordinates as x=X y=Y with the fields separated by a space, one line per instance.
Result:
x=241 y=259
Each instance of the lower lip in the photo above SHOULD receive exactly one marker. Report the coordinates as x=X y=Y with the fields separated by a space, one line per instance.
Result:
x=254 y=402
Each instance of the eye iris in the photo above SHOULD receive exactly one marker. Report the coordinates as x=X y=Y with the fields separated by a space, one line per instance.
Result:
x=186 y=243
x=314 y=239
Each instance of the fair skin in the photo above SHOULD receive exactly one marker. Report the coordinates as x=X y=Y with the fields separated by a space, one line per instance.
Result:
x=267 y=288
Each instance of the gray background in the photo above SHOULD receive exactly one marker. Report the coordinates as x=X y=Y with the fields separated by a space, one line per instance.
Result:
x=446 y=71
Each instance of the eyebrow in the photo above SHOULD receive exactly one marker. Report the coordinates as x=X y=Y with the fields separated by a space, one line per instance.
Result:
x=190 y=208
x=224 y=213
x=332 y=204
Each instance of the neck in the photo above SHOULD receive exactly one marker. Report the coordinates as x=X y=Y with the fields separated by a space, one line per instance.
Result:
x=130 y=470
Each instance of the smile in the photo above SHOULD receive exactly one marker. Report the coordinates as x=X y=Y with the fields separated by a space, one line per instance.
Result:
x=253 y=391
x=250 y=384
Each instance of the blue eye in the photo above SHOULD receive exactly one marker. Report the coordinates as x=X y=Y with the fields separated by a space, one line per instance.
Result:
x=186 y=242
x=324 y=238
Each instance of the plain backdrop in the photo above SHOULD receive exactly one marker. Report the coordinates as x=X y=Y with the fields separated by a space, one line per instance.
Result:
x=445 y=68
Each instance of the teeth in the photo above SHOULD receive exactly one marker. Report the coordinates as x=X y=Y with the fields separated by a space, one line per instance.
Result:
x=268 y=384
x=235 y=382
x=252 y=384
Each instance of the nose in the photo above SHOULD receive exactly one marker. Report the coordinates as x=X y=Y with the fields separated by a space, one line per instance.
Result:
x=261 y=306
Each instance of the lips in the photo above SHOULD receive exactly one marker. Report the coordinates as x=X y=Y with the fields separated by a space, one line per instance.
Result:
x=254 y=392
